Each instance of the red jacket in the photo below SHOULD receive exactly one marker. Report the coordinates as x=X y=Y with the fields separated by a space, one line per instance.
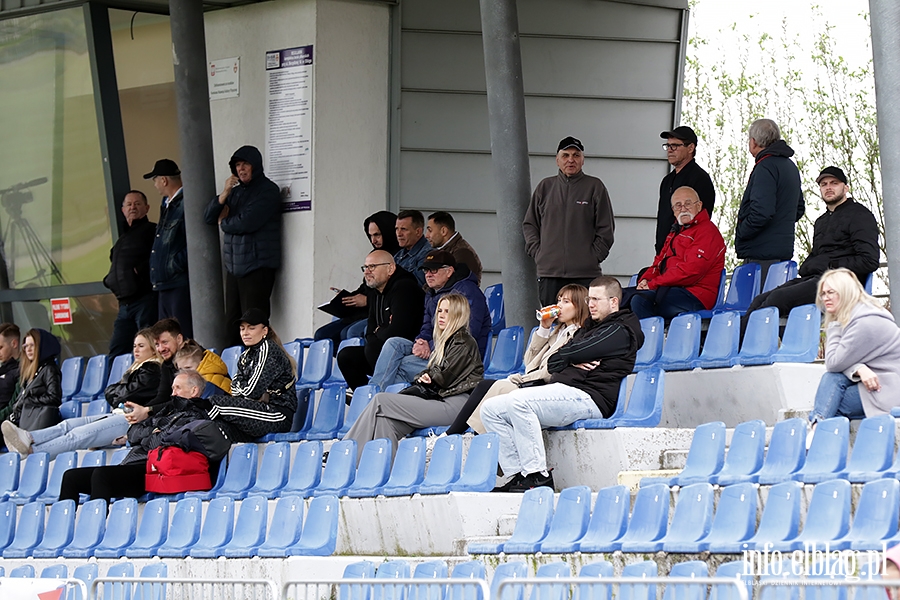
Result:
x=692 y=258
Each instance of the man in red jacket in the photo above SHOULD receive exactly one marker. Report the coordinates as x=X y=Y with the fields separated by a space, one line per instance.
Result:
x=685 y=274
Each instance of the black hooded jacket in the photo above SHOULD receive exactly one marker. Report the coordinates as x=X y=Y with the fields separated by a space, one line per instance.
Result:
x=387 y=224
x=37 y=406
x=253 y=226
x=395 y=312
x=129 y=269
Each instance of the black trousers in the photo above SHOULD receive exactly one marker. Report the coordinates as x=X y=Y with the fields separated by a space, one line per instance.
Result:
x=355 y=366
x=245 y=419
x=548 y=287
x=119 y=481
x=253 y=290
x=795 y=292
x=176 y=303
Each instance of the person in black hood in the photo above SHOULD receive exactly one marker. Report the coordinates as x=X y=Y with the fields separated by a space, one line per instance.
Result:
x=37 y=405
x=772 y=202
x=249 y=213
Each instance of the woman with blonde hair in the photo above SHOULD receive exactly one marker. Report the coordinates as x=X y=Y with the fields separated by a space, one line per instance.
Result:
x=862 y=352
x=439 y=392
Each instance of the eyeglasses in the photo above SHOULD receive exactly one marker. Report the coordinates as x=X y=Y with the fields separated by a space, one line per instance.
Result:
x=367 y=268
x=828 y=294
x=590 y=299
x=673 y=146
x=433 y=270
x=679 y=205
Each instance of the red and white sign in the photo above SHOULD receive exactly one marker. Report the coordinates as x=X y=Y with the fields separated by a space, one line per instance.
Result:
x=62 y=311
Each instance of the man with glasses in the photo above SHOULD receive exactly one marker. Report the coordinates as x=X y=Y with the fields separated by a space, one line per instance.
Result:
x=681 y=151
x=685 y=274
x=395 y=310
x=584 y=384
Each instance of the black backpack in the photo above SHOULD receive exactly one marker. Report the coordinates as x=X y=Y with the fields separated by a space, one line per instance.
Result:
x=203 y=436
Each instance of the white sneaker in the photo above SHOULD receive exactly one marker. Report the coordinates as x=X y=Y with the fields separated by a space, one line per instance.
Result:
x=16 y=438
x=430 y=441
x=810 y=434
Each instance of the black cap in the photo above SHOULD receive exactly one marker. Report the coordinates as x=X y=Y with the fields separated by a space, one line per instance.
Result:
x=832 y=172
x=254 y=316
x=683 y=133
x=570 y=142
x=438 y=258
x=163 y=166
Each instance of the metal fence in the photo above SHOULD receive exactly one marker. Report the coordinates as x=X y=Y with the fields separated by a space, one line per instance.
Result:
x=622 y=588
x=821 y=588
x=169 y=588
x=75 y=588
x=387 y=589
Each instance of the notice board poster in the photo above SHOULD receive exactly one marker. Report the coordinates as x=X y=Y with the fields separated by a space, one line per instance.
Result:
x=289 y=124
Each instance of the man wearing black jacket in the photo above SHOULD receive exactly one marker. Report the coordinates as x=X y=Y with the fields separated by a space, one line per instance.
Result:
x=585 y=377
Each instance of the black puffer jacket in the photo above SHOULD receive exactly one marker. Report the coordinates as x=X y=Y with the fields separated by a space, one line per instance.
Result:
x=9 y=379
x=846 y=237
x=37 y=406
x=129 y=269
x=461 y=368
x=266 y=368
x=253 y=226
x=140 y=386
x=149 y=433
x=395 y=312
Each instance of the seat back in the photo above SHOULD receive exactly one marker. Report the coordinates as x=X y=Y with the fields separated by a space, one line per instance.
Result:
x=119 y=591
x=828 y=515
x=869 y=281
x=33 y=481
x=778 y=274
x=374 y=467
x=735 y=518
x=9 y=472
x=317 y=364
x=60 y=528
x=535 y=516
x=337 y=378
x=307 y=469
x=632 y=591
x=26 y=571
x=646 y=400
x=494 y=296
x=761 y=336
x=653 y=329
x=876 y=512
x=873 y=449
x=396 y=388
x=571 y=517
x=295 y=350
x=94 y=458
x=118 y=455
x=185 y=529
x=218 y=526
x=780 y=518
x=152 y=591
x=594 y=591
x=473 y=569
x=650 y=515
x=445 y=464
x=121 y=526
x=609 y=520
x=287 y=522
x=230 y=357
x=392 y=569
x=787 y=448
x=409 y=465
x=364 y=569
x=785 y=569
x=692 y=518
x=546 y=591
x=71 y=372
x=683 y=339
x=707 y=453
x=120 y=364
x=736 y=569
x=55 y=572
x=340 y=467
x=800 y=342
x=431 y=569
x=94 y=381
x=509 y=570
x=62 y=463
x=329 y=414
x=692 y=569
x=723 y=337
x=250 y=529
x=241 y=473
x=98 y=406
x=480 y=471
x=828 y=452
x=69 y=409
x=745 y=284
x=29 y=530
x=361 y=398
x=90 y=528
x=86 y=573
x=154 y=524
x=320 y=529
x=274 y=470
x=747 y=449
x=7 y=524
x=509 y=352
x=720 y=294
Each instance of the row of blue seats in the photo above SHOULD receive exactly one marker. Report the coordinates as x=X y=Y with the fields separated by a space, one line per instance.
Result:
x=90 y=571
x=35 y=481
x=95 y=534
x=572 y=527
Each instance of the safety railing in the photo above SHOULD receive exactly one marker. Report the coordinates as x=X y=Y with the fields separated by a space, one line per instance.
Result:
x=173 y=588
x=608 y=588
x=18 y=587
x=823 y=588
x=386 y=589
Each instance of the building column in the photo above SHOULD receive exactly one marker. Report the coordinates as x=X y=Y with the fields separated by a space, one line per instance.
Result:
x=509 y=154
x=197 y=170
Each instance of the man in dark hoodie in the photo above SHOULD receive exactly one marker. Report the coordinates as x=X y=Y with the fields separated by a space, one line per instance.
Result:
x=249 y=213
x=395 y=310
x=584 y=384
x=772 y=202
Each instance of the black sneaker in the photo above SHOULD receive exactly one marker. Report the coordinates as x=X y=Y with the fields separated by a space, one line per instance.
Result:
x=515 y=479
x=533 y=480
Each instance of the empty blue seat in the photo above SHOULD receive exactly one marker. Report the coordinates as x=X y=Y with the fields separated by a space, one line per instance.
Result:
x=473 y=569
x=98 y=406
x=119 y=590
x=185 y=529
x=94 y=382
x=86 y=573
x=827 y=456
x=570 y=520
x=94 y=458
x=876 y=516
x=118 y=456
x=71 y=371
x=644 y=404
x=648 y=519
x=361 y=398
x=736 y=569
x=319 y=536
x=745 y=454
x=786 y=454
x=682 y=344
x=636 y=591
x=152 y=591
x=720 y=298
x=873 y=450
x=706 y=456
x=723 y=339
x=218 y=526
x=70 y=409
x=295 y=350
x=760 y=338
x=408 y=471
x=329 y=414
x=89 y=529
x=680 y=591
x=29 y=531
x=303 y=418
x=430 y=569
x=55 y=572
x=273 y=471
x=23 y=571
x=734 y=521
x=479 y=474
x=58 y=532
x=494 y=296
x=62 y=463
x=509 y=570
x=653 y=329
x=595 y=591
x=9 y=473
x=230 y=358
x=780 y=520
x=33 y=480
x=785 y=569
x=691 y=520
x=444 y=466
x=340 y=470
x=549 y=591
x=286 y=527
x=745 y=285
x=306 y=472
x=121 y=529
x=609 y=520
x=800 y=342
x=337 y=378
x=374 y=469
x=508 y=355
x=7 y=524
x=117 y=370
x=779 y=273
x=153 y=529
x=364 y=569
x=827 y=519
x=240 y=475
x=392 y=569
x=249 y=530
x=532 y=523
x=317 y=365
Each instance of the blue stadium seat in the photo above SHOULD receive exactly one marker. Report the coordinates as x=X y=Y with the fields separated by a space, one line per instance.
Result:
x=734 y=521
x=62 y=463
x=780 y=520
x=735 y=569
x=680 y=591
x=682 y=343
x=306 y=471
x=479 y=474
x=827 y=456
x=29 y=531
x=118 y=590
x=876 y=516
x=873 y=450
x=444 y=466
x=273 y=471
x=303 y=418
x=779 y=591
x=722 y=344
x=570 y=521
x=33 y=480
x=833 y=569
x=7 y=524
x=121 y=529
x=185 y=529
x=94 y=382
x=786 y=454
x=644 y=404
x=89 y=529
x=152 y=591
x=287 y=524
x=373 y=471
x=690 y=522
x=71 y=372
x=249 y=530
x=633 y=280
x=594 y=591
x=59 y=571
x=218 y=527
x=98 y=406
x=118 y=456
x=396 y=388
x=869 y=281
x=745 y=284
x=117 y=370
x=827 y=519
x=153 y=529
x=472 y=569
x=508 y=570
x=337 y=378
x=508 y=355
x=26 y=571
x=58 y=532
x=317 y=365
x=494 y=296
x=70 y=409
x=545 y=591
x=340 y=470
x=86 y=573
x=430 y=569
x=361 y=398
x=532 y=523
x=9 y=473
x=392 y=569
x=648 y=519
x=295 y=350
x=230 y=357
x=760 y=338
x=706 y=456
x=800 y=342
x=329 y=415
x=778 y=274
x=94 y=458
x=319 y=536
x=653 y=329
x=364 y=569
x=408 y=471
x=720 y=298
x=745 y=454
x=240 y=475
x=609 y=520
x=632 y=591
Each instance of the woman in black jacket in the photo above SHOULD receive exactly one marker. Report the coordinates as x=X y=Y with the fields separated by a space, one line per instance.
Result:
x=37 y=405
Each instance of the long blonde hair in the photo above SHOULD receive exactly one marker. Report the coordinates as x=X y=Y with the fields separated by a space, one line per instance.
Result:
x=147 y=334
x=458 y=318
x=850 y=293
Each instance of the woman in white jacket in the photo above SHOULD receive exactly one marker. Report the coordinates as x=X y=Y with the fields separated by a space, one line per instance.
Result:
x=552 y=335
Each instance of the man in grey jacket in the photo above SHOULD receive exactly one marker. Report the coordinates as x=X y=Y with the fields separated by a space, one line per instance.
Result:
x=569 y=224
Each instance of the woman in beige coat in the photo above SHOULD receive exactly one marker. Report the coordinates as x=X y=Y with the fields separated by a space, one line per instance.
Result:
x=552 y=335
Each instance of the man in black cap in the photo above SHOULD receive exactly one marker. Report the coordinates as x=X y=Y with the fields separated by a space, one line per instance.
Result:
x=569 y=224
x=168 y=259
x=846 y=235
x=681 y=150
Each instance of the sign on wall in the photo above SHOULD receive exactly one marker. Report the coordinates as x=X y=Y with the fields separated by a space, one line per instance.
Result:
x=224 y=78
x=289 y=124
x=62 y=311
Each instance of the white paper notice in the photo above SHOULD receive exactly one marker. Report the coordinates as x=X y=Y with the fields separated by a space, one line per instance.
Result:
x=224 y=78
x=289 y=124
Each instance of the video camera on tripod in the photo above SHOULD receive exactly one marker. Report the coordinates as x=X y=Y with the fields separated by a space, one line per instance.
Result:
x=14 y=197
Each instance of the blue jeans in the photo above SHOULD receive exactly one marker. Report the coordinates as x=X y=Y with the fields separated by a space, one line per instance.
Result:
x=131 y=318
x=396 y=363
x=666 y=302
x=837 y=396
x=79 y=434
